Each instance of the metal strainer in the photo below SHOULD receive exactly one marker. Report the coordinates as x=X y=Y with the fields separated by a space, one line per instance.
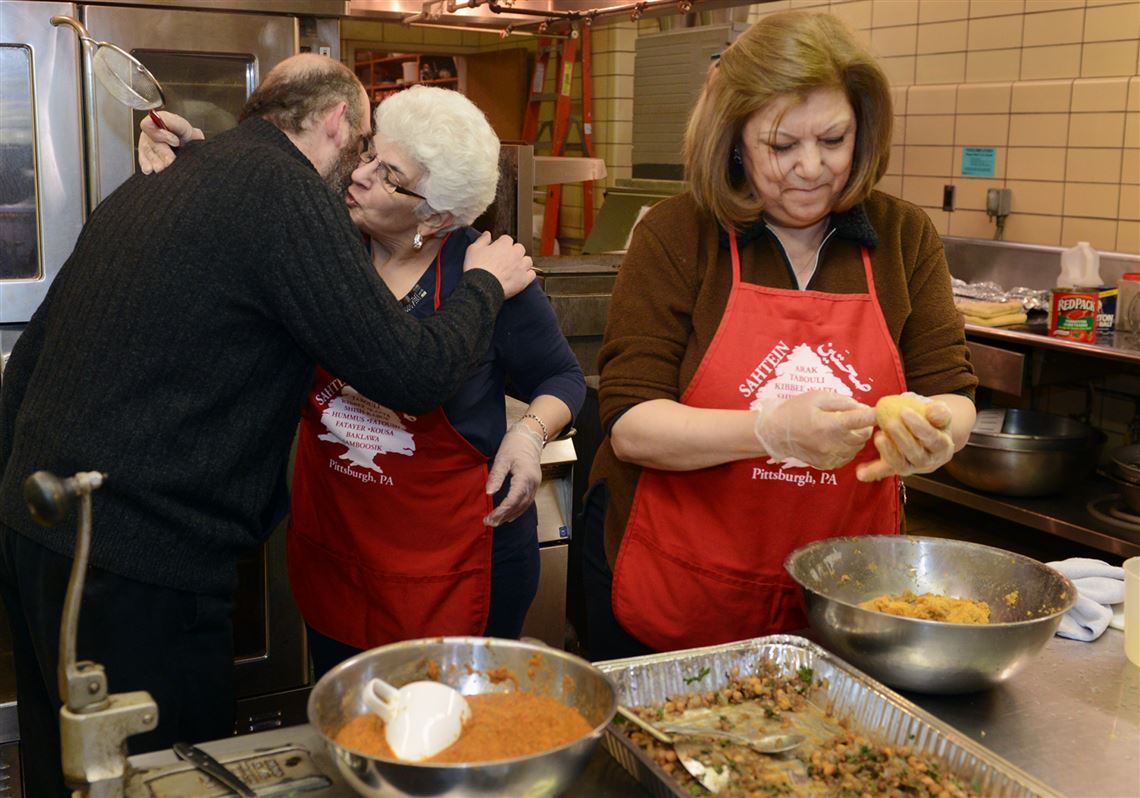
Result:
x=120 y=73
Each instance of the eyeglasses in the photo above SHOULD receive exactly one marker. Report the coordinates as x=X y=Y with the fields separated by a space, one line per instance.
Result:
x=384 y=171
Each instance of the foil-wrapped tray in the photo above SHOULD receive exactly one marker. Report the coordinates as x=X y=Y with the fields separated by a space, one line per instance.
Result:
x=870 y=708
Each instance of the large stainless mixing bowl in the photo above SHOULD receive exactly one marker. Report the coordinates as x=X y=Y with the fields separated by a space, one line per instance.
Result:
x=1125 y=472
x=1025 y=453
x=929 y=656
x=1126 y=463
x=464 y=663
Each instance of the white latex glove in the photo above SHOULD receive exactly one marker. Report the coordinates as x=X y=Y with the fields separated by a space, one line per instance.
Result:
x=156 y=146
x=914 y=443
x=519 y=455
x=820 y=428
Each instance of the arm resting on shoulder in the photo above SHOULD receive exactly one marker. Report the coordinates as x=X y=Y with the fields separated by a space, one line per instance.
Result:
x=319 y=284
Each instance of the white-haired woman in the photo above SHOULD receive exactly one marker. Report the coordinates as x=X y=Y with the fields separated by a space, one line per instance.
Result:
x=398 y=529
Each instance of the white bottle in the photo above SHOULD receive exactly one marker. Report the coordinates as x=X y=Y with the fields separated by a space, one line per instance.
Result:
x=1080 y=267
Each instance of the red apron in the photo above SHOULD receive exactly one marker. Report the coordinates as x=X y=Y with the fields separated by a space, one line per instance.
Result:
x=702 y=559
x=390 y=547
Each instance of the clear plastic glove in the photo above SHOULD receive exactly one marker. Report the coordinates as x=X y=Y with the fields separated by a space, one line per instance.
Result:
x=820 y=428
x=156 y=146
x=519 y=455
x=912 y=443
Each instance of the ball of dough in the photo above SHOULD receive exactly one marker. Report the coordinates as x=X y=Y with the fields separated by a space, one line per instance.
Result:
x=889 y=408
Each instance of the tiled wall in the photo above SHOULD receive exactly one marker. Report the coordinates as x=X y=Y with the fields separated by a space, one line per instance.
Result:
x=1053 y=86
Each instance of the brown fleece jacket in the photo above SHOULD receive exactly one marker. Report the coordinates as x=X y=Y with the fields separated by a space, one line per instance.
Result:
x=674 y=284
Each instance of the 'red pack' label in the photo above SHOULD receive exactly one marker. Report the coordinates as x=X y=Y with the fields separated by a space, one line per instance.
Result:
x=1072 y=314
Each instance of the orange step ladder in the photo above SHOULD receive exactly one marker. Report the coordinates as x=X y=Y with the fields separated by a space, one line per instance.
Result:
x=574 y=50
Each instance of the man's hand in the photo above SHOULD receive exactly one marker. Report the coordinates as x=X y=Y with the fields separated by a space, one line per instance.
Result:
x=503 y=258
x=156 y=146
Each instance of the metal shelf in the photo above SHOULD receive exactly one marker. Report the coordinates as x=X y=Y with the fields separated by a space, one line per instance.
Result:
x=1065 y=515
x=397 y=86
x=1120 y=346
x=549 y=169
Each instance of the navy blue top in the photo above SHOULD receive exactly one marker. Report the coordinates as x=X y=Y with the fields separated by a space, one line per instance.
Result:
x=528 y=350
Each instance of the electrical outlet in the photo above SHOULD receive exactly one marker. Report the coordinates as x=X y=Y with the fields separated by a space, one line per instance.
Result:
x=948 y=198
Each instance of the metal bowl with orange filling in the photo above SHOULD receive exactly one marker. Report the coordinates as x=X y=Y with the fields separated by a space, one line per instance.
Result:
x=538 y=681
x=1026 y=600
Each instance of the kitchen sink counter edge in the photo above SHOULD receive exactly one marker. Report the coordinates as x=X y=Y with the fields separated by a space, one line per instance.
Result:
x=1071 y=719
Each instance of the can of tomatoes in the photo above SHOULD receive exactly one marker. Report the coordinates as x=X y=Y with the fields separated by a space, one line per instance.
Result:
x=1073 y=313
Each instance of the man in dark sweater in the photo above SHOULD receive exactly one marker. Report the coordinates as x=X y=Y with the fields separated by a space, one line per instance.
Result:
x=173 y=353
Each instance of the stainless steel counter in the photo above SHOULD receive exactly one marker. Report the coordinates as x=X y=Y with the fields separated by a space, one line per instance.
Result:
x=1120 y=346
x=1067 y=515
x=602 y=778
x=1071 y=719
x=1021 y=359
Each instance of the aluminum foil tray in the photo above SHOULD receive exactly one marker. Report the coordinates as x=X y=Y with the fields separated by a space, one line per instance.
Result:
x=872 y=709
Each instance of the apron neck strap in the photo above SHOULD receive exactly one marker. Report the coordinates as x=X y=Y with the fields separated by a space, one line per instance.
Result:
x=867 y=271
x=735 y=250
x=439 y=268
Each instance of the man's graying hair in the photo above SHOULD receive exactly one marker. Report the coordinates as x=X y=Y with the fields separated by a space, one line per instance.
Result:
x=301 y=88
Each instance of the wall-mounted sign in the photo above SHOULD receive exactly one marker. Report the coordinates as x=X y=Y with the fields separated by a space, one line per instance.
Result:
x=978 y=161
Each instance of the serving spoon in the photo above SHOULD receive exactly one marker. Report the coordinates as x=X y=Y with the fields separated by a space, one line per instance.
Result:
x=712 y=778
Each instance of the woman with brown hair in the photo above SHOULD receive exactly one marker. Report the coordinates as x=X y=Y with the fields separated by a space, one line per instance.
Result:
x=756 y=320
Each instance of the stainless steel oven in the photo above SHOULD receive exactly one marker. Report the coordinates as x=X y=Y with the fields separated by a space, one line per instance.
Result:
x=65 y=144
x=41 y=154
x=51 y=173
x=207 y=63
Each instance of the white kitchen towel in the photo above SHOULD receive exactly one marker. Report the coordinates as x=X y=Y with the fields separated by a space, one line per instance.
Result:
x=1099 y=586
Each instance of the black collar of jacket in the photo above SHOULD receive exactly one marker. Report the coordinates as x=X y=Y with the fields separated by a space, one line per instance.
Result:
x=852 y=224
x=265 y=130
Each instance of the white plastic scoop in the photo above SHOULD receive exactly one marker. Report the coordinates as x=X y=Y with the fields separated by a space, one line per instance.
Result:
x=420 y=718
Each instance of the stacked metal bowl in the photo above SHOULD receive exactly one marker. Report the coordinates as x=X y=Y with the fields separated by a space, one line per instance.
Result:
x=1124 y=465
x=468 y=664
x=1026 y=599
x=1025 y=453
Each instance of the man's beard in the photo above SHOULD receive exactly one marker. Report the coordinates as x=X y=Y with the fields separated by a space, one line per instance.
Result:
x=339 y=177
